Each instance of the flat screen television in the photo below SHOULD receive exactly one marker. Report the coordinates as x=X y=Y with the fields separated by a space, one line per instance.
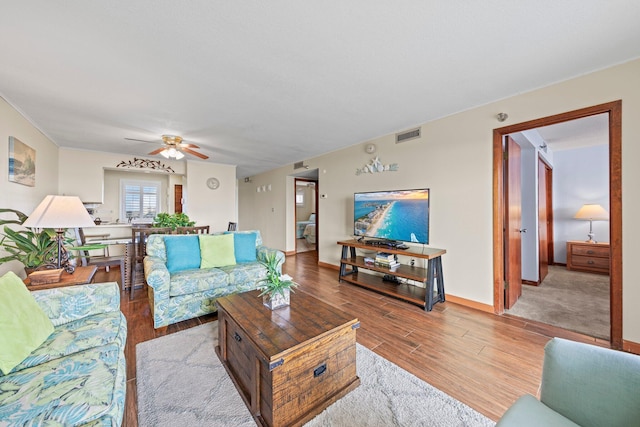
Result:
x=400 y=215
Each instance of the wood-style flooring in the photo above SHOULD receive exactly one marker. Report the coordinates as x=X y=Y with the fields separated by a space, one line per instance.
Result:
x=481 y=359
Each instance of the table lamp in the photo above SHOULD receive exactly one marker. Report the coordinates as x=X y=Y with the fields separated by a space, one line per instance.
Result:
x=592 y=212
x=60 y=213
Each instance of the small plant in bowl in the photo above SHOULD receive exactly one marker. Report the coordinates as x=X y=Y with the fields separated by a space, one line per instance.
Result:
x=277 y=287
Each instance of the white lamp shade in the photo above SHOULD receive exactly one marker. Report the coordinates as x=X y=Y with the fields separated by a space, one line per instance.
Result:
x=592 y=212
x=59 y=212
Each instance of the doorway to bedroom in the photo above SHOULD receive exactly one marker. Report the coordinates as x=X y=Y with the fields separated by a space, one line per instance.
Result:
x=306 y=200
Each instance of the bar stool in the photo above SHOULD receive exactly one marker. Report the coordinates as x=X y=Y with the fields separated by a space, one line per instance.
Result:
x=100 y=261
x=139 y=237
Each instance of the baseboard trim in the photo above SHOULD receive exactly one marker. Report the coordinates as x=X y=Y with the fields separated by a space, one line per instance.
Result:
x=469 y=303
x=289 y=253
x=327 y=265
x=530 y=283
x=631 y=347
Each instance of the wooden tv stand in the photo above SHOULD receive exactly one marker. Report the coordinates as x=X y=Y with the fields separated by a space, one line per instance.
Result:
x=430 y=276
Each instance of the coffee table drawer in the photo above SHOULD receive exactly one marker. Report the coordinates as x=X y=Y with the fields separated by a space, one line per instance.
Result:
x=309 y=377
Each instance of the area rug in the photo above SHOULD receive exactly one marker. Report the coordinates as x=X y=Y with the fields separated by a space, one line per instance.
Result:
x=181 y=382
x=571 y=300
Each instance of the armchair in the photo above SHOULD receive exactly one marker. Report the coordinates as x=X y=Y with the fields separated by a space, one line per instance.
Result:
x=582 y=385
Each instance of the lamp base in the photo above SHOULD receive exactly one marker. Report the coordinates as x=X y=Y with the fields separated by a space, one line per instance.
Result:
x=63 y=254
x=591 y=238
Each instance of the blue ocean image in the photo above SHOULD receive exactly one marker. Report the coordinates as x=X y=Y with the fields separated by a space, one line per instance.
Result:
x=398 y=219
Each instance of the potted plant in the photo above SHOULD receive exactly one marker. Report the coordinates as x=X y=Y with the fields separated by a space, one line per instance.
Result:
x=276 y=288
x=32 y=248
x=172 y=221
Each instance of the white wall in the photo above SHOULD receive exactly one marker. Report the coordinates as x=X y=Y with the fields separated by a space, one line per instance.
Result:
x=17 y=196
x=203 y=205
x=454 y=159
x=110 y=209
x=215 y=208
x=580 y=176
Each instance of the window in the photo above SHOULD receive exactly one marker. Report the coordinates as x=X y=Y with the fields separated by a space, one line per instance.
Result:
x=300 y=199
x=139 y=200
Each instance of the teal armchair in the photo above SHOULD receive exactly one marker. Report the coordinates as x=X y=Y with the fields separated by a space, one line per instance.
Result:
x=582 y=385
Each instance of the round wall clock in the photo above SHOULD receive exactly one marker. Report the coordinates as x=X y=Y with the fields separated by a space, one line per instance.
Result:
x=213 y=183
x=370 y=148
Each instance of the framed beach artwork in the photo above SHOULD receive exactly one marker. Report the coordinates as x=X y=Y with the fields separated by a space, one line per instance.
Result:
x=22 y=163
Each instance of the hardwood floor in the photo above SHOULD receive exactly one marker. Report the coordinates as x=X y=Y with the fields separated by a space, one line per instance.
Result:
x=481 y=359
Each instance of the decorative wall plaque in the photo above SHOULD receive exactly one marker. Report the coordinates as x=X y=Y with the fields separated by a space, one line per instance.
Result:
x=137 y=163
x=377 y=166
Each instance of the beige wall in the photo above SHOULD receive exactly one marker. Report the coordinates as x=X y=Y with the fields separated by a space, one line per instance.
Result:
x=17 y=196
x=454 y=159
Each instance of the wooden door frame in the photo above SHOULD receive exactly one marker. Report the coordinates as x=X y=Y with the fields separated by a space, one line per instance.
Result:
x=614 y=110
x=295 y=210
x=548 y=195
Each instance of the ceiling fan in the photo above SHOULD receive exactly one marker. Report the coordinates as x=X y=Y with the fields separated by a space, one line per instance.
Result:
x=173 y=148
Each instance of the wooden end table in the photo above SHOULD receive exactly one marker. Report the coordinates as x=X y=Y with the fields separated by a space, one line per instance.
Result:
x=81 y=276
x=288 y=364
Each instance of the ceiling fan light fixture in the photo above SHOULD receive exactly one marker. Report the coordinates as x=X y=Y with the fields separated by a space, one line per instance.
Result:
x=174 y=148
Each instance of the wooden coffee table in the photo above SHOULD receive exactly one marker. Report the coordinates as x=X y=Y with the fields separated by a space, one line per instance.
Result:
x=80 y=276
x=288 y=364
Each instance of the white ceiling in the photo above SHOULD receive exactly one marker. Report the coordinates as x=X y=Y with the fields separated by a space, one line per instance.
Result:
x=585 y=132
x=261 y=84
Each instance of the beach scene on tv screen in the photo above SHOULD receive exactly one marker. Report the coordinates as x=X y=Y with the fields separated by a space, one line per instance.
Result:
x=393 y=215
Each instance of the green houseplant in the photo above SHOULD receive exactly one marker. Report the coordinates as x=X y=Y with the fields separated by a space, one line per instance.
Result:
x=276 y=288
x=172 y=221
x=32 y=248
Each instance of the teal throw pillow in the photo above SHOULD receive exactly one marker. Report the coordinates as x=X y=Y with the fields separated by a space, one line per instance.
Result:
x=216 y=250
x=183 y=252
x=245 y=247
x=23 y=324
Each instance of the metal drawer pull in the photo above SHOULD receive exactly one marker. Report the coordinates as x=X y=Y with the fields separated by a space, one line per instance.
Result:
x=590 y=262
x=590 y=252
x=237 y=337
x=319 y=370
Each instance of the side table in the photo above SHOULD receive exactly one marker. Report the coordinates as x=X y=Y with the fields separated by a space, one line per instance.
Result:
x=80 y=276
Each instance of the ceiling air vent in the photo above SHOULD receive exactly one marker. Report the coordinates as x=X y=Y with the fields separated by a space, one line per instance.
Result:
x=408 y=135
x=298 y=165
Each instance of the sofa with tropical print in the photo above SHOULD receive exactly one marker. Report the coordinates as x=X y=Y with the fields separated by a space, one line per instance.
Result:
x=77 y=376
x=192 y=292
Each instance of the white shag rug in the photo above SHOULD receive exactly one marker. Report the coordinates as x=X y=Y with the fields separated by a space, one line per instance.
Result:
x=181 y=382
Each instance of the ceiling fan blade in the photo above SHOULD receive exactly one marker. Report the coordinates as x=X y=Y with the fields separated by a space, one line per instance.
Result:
x=154 y=152
x=141 y=140
x=185 y=145
x=195 y=153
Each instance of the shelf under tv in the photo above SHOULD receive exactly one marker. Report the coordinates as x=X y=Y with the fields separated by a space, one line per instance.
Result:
x=350 y=264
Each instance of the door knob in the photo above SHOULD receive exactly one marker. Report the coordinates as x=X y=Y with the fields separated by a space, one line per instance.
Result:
x=523 y=230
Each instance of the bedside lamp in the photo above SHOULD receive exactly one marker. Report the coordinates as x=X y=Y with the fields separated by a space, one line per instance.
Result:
x=592 y=212
x=59 y=213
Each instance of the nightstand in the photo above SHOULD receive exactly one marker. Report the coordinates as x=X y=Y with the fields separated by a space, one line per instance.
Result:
x=588 y=257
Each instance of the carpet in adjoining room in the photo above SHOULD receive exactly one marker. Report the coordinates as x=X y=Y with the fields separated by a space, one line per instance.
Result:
x=181 y=382
x=571 y=300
